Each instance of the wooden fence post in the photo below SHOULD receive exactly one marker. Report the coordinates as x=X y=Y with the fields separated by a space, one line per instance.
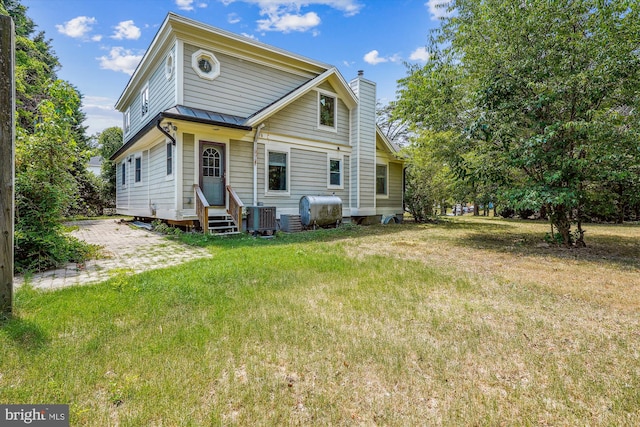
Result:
x=7 y=162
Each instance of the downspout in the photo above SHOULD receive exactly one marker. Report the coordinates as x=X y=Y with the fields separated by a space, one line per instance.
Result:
x=255 y=164
x=167 y=134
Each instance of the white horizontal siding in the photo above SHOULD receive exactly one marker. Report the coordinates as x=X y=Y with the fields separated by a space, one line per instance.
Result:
x=188 y=170
x=366 y=138
x=241 y=170
x=394 y=187
x=309 y=172
x=122 y=193
x=161 y=189
x=161 y=97
x=138 y=191
x=241 y=89
x=300 y=119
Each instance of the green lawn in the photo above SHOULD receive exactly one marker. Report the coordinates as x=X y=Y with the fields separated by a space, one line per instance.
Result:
x=467 y=322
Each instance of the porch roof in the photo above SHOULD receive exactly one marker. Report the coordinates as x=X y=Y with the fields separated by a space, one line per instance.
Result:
x=189 y=114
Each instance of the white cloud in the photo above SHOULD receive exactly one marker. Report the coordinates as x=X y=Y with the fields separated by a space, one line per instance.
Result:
x=287 y=15
x=438 y=8
x=96 y=38
x=77 y=27
x=395 y=58
x=289 y=22
x=188 y=4
x=184 y=4
x=349 y=7
x=120 y=59
x=374 y=58
x=100 y=113
x=126 y=30
x=233 y=18
x=420 y=54
x=250 y=36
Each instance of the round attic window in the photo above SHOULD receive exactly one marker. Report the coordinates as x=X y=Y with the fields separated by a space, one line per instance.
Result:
x=205 y=64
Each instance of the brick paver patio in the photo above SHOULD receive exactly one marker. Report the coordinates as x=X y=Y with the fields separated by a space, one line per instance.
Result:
x=126 y=249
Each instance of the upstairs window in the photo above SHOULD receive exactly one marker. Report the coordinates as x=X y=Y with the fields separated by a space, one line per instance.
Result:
x=126 y=121
x=205 y=64
x=144 y=97
x=326 y=111
x=168 y=66
x=277 y=171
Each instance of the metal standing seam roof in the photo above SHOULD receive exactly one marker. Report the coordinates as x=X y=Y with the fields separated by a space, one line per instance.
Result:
x=189 y=114
x=203 y=116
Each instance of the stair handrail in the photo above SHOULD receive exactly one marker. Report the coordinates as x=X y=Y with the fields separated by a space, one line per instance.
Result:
x=202 y=208
x=235 y=207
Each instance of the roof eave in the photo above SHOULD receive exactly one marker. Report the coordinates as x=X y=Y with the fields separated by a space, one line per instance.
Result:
x=387 y=142
x=165 y=115
x=346 y=93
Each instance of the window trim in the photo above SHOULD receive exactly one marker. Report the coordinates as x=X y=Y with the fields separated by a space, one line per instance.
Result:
x=339 y=158
x=137 y=182
x=169 y=66
x=144 y=94
x=215 y=64
x=126 y=121
x=277 y=148
x=328 y=94
x=384 y=195
x=169 y=160
x=123 y=173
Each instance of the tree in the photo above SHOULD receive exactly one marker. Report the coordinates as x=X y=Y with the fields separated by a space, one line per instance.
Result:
x=51 y=149
x=45 y=184
x=110 y=140
x=532 y=91
x=394 y=129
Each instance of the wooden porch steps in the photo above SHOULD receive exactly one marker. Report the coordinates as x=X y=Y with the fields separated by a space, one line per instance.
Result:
x=222 y=224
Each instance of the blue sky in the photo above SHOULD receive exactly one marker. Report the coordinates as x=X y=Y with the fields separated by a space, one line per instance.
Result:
x=100 y=42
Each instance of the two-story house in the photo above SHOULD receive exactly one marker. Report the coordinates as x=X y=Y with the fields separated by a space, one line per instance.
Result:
x=214 y=120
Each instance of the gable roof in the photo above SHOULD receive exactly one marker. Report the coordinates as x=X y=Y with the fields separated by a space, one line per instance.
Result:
x=393 y=148
x=332 y=75
x=177 y=26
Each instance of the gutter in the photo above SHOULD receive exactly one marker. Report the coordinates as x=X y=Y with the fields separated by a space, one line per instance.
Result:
x=155 y=123
x=167 y=134
x=255 y=164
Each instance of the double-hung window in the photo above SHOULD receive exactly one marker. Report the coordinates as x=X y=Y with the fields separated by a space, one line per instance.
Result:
x=327 y=108
x=123 y=173
x=144 y=98
x=138 y=169
x=277 y=171
x=169 y=159
x=381 y=180
x=335 y=178
x=126 y=121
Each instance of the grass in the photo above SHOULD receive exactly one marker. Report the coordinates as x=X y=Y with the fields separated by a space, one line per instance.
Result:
x=467 y=322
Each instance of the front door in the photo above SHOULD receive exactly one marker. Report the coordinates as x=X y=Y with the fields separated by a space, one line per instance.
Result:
x=212 y=173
